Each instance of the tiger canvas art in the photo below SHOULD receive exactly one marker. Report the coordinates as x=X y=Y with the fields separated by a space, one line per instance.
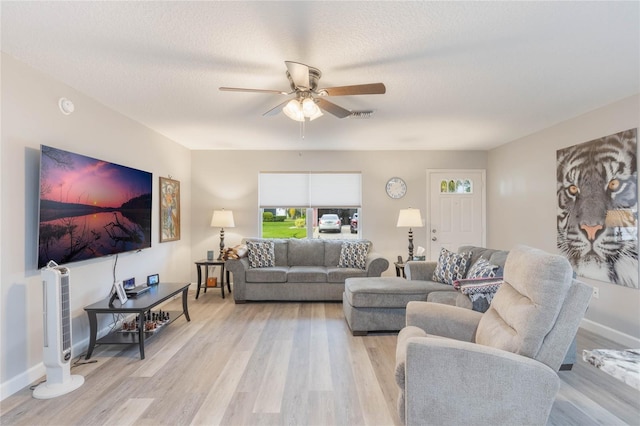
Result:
x=598 y=208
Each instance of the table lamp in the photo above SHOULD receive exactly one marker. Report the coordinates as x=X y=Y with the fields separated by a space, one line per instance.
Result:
x=222 y=219
x=410 y=218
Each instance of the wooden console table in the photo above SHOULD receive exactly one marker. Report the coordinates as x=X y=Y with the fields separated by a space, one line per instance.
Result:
x=136 y=305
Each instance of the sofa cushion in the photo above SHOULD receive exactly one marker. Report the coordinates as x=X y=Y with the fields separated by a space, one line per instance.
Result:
x=276 y=274
x=451 y=266
x=332 y=249
x=261 y=254
x=386 y=292
x=496 y=257
x=307 y=274
x=281 y=250
x=339 y=275
x=306 y=252
x=354 y=255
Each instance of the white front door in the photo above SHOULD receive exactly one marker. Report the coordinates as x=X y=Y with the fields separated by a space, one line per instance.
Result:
x=456 y=209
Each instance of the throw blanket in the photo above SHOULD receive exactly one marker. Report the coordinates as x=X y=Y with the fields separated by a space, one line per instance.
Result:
x=481 y=293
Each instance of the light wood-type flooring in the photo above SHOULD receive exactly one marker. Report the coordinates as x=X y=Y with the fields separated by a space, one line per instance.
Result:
x=275 y=364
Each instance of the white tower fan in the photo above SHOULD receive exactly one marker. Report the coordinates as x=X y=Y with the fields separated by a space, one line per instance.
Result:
x=57 y=335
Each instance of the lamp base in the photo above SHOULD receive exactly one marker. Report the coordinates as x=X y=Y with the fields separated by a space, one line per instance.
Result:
x=410 y=245
x=221 y=243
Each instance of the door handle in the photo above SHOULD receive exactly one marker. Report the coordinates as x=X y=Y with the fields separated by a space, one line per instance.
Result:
x=434 y=239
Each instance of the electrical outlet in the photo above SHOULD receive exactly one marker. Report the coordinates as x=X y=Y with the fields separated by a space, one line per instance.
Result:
x=596 y=293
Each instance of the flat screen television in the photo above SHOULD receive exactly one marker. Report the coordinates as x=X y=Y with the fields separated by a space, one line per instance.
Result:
x=90 y=208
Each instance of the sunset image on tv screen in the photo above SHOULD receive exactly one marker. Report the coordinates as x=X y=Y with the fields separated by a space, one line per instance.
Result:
x=90 y=208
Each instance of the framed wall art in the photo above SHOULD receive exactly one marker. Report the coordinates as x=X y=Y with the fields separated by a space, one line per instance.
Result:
x=598 y=208
x=169 y=210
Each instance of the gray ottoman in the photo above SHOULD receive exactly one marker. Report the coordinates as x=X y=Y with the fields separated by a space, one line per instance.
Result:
x=379 y=303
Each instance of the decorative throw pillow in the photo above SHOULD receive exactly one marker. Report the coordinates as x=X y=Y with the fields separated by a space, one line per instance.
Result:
x=483 y=269
x=451 y=266
x=353 y=254
x=261 y=254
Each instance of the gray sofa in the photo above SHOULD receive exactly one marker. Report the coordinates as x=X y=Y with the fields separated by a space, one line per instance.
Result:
x=304 y=270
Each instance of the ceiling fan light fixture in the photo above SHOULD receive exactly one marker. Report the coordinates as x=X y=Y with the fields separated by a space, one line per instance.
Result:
x=309 y=107
x=317 y=114
x=293 y=110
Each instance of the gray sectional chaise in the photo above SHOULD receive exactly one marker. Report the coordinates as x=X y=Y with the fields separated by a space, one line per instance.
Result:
x=304 y=270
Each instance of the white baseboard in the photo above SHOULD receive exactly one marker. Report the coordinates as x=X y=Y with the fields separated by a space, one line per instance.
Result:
x=19 y=382
x=623 y=339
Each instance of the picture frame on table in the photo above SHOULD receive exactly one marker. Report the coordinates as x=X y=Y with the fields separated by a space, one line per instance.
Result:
x=122 y=294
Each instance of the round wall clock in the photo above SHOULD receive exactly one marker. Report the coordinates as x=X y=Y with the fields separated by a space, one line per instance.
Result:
x=396 y=188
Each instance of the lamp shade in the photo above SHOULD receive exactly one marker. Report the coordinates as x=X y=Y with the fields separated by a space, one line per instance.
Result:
x=222 y=219
x=409 y=218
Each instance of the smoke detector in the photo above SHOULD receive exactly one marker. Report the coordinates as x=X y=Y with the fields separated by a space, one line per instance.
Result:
x=66 y=106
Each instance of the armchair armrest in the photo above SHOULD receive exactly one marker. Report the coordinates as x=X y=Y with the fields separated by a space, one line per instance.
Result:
x=452 y=382
x=444 y=320
x=419 y=270
x=376 y=264
x=238 y=267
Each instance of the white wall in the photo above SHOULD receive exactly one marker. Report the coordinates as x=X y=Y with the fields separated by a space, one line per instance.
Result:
x=229 y=179
x=30 y=117
x=522 y=201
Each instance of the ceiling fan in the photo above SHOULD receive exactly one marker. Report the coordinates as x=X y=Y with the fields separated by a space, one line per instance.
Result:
x=309 y=101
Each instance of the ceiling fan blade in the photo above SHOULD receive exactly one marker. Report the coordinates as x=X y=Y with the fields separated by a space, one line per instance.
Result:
x=358 y=89
x=238 y=89
x=299 y=74
x=276 y=109
x=332 y=108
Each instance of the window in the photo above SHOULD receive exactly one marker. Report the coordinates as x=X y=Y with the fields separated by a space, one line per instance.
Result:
x=320 y=205
x=456 y=186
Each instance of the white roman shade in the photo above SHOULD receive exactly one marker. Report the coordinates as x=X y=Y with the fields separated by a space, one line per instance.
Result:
x=283 y=190
x=310 y=190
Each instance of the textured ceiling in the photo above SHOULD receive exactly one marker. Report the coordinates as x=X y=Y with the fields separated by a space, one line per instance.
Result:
x=459 y=75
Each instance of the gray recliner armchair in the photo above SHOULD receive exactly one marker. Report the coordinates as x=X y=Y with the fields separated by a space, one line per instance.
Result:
x=458 y=366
